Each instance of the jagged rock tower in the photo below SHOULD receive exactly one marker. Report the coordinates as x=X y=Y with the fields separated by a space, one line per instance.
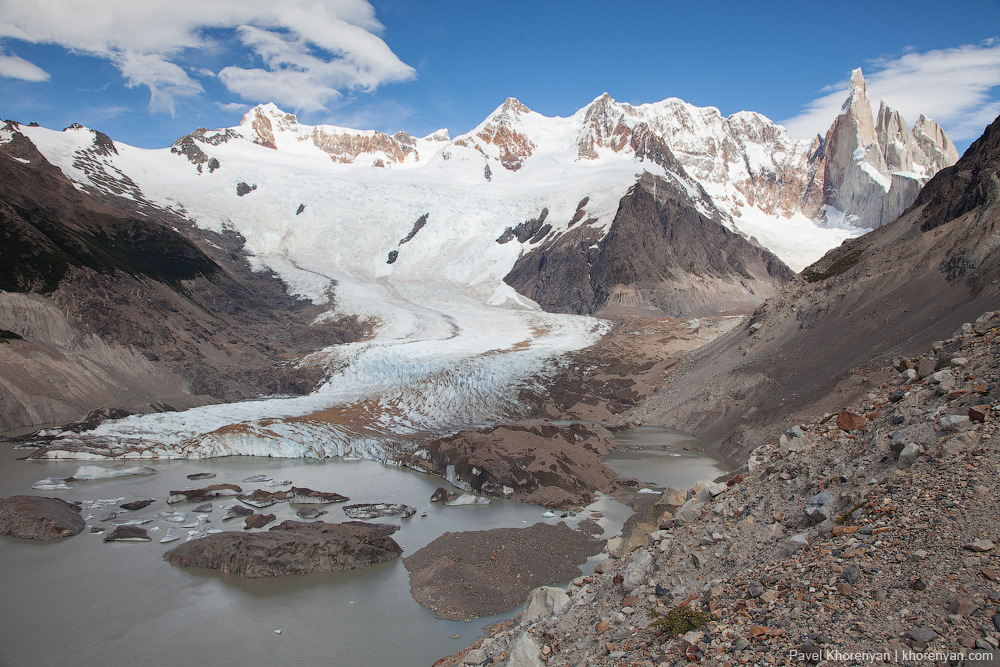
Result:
x=874 y=169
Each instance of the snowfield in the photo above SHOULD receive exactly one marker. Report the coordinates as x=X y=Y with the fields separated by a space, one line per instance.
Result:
x=453 y=343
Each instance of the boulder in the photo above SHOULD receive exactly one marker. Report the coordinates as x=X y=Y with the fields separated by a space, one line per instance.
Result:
x=544 y=601
x=137 y=504
x=819 y=508
x=909 y=455
x=637 y=570
x=258 y=520
x=849 y=421
x=36 y=518
x=525 y=652
x=292 y=547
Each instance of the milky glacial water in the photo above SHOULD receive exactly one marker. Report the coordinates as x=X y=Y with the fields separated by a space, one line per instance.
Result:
x=81 y=602
x=665 y=456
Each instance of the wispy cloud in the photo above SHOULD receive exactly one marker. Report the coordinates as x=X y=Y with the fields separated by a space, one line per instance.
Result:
x=956 y=87
x=233 y=107
x=14 y=67
x=311 y=51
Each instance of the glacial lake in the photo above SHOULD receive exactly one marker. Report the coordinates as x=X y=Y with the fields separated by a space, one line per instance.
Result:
x=80 y=601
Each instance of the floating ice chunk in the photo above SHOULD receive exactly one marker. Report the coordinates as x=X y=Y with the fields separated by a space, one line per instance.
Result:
x=278 y=482
x=467 y=499
x=548 y=513
x=98 y=472
x=256 y=478
x=207 y=507
x=649 y=491
x=378 y=510
x=172 y=535
x=128 y=534
x=51 y=484
x=201 y=475
x=134 y=521
x=108 y=516
x=174 y=517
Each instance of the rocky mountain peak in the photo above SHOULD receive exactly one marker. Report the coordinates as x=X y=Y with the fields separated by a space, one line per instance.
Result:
x=873 y=171
x=604 y=126
x=900 y=151
x=503 y=130
x=934 y=143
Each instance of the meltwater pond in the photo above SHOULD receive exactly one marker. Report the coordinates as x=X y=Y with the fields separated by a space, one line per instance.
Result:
x=80 y=601
x=665 y=456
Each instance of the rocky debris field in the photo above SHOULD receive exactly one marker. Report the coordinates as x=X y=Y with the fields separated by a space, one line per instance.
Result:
x=867 y=536
x=485 y=572
x=291 y=547
x=43 y=519
x=535 y=462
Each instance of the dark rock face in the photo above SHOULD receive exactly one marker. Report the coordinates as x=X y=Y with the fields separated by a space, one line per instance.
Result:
x=661 y=253
x=485 y=572
x=244 y=189
x=541 y=463
x=43 y=519
x=969 y=184
x=291 y=547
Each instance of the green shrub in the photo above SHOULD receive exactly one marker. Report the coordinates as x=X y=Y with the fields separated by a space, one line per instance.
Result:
x=680 y=619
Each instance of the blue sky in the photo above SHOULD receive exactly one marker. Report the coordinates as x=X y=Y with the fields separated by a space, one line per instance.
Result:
x=148 y=72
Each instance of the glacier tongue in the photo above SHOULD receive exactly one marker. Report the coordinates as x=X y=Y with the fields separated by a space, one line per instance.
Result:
x=441 y=364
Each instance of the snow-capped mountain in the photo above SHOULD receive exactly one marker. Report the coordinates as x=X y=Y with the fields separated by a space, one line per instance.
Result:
x=417 y=236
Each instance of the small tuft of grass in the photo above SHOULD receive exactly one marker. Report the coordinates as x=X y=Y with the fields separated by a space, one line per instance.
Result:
x=680 y=619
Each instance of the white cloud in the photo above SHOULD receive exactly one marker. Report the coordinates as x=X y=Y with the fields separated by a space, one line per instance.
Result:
x=233 y=107
x=311 y=50
x=13 y=67
x=955 y=87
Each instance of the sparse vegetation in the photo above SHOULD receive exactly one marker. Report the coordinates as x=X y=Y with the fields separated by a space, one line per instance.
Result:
x=680 y=619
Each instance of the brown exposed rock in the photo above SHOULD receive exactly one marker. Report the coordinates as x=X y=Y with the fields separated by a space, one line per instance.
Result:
x=849 y=421
x=258 y=520
x=291 y=547
x=42 y=519
x=977 y=413
x=481 y=573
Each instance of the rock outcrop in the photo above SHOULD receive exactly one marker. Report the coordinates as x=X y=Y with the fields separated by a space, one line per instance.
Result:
x=291 y=547
x=664 y=253
x=42 y=519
